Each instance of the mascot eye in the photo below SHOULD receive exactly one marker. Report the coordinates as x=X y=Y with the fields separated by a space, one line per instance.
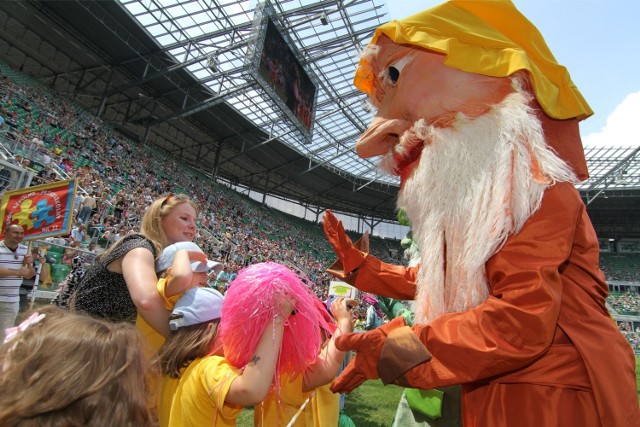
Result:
x=394 y=74
x=394 y=70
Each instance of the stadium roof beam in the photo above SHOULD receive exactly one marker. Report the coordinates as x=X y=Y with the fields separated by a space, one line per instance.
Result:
x=172 y=68
x=96 y=9
x=281 y=135
x=310 y=168
x=205 y=104
x=610 y=178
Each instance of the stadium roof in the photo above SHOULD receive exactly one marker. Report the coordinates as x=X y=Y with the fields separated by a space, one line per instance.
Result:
x=174 y=74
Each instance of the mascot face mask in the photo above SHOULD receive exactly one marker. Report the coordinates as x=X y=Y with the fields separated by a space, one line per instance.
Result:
x=478 y=119
x=411 y=71
x=413 y=84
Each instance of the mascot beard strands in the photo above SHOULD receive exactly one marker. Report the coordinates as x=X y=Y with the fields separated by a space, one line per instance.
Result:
x=460 y=216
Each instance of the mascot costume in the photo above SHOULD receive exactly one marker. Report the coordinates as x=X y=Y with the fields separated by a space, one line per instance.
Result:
x=481 y=124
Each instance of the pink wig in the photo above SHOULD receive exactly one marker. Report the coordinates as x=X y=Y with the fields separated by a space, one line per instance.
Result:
x=250 y=306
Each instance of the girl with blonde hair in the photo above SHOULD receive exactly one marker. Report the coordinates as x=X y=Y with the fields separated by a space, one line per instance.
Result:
x=122 y=283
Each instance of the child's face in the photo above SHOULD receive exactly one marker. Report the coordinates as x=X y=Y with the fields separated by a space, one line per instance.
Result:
x=199 y=279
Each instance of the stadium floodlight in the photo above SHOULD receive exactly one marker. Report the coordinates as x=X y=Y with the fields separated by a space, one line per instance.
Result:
x=324 y=18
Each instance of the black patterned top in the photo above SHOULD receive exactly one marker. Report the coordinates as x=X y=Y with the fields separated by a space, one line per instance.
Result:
x=70 y=282
x=103 y=293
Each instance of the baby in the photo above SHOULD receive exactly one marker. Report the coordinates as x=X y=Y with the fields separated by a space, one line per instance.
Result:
x=182 y=266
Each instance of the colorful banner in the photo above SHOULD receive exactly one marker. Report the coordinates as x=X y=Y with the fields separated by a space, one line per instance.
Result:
x=43 y=210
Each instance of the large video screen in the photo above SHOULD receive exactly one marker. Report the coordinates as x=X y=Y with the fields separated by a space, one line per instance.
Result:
x=285 y=76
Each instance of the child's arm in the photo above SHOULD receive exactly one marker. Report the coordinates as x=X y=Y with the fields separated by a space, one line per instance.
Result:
x=180 y=274
x=327 y=365
x=252 y=386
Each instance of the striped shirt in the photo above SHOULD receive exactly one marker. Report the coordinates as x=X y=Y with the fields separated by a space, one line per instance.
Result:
x=10 y=285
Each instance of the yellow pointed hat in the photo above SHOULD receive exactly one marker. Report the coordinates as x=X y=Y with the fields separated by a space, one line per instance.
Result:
x=489 y=37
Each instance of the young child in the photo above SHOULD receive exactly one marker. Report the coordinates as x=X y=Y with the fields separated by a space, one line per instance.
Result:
x=199 y=388
x=305 y=399
x=59 y=368
x=180 y=267
x=305 y=364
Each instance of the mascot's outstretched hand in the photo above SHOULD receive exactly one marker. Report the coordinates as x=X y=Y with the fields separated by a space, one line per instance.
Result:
x=365 y=365
x=375 y=355
x=364 y=271
x=350 y=255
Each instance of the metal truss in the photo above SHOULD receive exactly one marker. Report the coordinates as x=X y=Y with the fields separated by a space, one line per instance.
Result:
x=615 y=172
x=210 y=39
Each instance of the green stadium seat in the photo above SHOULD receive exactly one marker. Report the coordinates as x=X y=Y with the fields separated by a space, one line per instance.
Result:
x=55 y=257
x=56 y=249
x=59 y=272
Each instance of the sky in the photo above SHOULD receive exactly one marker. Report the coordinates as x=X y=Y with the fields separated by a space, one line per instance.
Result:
x=598 y=41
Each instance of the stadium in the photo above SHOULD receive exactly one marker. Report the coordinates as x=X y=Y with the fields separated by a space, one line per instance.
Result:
x=138 y=98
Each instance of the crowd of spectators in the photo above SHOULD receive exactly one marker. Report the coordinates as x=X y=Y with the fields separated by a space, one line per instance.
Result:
x=54 y=138
x=119 y=178
x=623 y=266
x=627 y=303
x=632 y=335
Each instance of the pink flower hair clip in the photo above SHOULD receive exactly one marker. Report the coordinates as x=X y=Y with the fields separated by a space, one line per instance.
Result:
x=10 y=333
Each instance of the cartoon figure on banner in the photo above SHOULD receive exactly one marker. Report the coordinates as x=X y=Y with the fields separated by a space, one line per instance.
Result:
x=30 y=217
x=23 y=215
x=42 y=216
x=42 y=211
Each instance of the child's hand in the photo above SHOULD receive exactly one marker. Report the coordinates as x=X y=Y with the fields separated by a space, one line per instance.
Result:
x=341 y=308
x=285 y=304
x=197 y=256
x=212 y=275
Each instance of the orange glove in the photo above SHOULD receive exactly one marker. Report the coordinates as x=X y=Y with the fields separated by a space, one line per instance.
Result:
x=350 y=255
x=369 y=348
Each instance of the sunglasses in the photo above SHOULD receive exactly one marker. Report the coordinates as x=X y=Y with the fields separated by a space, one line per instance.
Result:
x=166 y=200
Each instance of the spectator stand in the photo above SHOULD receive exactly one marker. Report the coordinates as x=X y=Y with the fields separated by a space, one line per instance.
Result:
x=53 y=250
x=107 y=163
x=13 y=177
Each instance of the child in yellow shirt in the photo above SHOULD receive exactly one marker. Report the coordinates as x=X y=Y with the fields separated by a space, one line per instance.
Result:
x=305 y=399
x=200 y=388
x=180 y=266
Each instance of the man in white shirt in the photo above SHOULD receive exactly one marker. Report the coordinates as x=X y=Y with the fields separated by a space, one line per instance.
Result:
x=87 y=205
x=15 y=265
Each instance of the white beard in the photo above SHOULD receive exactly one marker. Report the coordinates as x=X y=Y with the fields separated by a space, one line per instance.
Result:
x=475 y=185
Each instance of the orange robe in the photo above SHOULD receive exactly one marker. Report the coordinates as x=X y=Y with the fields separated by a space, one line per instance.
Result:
x=542 y=350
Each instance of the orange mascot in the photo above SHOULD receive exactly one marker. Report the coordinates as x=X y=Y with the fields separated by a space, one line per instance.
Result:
x=481 y=124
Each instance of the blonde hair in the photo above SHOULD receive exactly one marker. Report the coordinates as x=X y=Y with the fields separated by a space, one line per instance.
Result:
x=186 y=345
x=151 y=225
x=71 y=369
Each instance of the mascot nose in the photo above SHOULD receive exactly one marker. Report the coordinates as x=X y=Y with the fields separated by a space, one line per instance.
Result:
x=381 y=135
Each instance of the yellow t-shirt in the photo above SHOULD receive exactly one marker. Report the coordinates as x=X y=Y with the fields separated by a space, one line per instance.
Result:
x=321 y=410
x=196 y=399
x=152 y=339
x=169 y=302
x=326 y=407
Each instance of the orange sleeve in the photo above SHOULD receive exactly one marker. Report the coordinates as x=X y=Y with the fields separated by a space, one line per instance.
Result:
x=516 y=324
x=381 y=278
